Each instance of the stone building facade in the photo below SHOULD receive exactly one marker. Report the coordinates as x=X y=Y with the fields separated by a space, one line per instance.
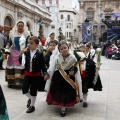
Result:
x=63 y=15
x=68 y=20
x=95 y=11
x=29 y=11
x=53 y=7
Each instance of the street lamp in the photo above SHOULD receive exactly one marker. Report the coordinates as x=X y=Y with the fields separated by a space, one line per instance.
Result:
x=40 y=21
x=99 y=18
x=60 y=34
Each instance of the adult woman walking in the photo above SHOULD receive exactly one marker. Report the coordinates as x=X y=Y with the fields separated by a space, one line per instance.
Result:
x=17 y=42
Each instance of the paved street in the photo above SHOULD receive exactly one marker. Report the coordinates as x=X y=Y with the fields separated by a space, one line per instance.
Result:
x=103 y=105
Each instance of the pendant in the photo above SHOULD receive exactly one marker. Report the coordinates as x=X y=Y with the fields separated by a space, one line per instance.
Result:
x=64 y=63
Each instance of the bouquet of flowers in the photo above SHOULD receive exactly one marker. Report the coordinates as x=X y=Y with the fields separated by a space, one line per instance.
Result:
x=22 y=42
x=80 y=56
x=98 y=53
x=5 y=51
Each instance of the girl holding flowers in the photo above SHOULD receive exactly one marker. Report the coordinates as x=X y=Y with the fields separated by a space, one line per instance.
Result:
x=63 y=88
x=88 y=75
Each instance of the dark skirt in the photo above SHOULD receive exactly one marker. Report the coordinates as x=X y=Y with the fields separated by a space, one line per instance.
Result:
x=14 y=71
x=61 y=92
x=88 y=84
x=3 y=108
x=14 y=76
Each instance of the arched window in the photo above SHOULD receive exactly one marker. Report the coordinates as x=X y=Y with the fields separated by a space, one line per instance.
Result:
x=90 y=14
x=8 y=24
x=8 y=21
x=68 y=17
x=108 y=12
x=62 y=16
x=28 y=25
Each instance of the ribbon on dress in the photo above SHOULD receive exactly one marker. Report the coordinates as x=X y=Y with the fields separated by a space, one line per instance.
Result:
x=70 y=81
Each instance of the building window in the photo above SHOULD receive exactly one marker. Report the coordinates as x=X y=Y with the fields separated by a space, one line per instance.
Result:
x=53 y=26
x=69 y=25
x=66 y=25
x=67 y=34
x=53 y=2
x=70 y=34
x=62 y=16
x=90 y=14
x=40 y=2
x=53 y=9
x=8 y=21
x=47 y=3
x=61 y=25
x=68 y=17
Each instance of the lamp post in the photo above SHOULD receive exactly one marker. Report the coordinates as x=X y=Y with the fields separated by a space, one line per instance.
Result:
x=40 y=27
x=60 y=34
x=99 y=19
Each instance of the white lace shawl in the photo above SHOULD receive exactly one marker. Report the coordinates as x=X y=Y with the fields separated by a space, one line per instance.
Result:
x=14 y=33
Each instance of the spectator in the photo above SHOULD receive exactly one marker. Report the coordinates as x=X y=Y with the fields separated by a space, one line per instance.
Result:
x=2 y=45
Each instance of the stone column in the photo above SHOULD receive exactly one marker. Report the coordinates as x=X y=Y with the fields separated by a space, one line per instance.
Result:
x=81 y=18
x=15 y=15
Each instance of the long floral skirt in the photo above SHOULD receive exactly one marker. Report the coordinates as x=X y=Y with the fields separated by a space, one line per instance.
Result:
x=3 y=108
x=14 y=71
x=61 y=92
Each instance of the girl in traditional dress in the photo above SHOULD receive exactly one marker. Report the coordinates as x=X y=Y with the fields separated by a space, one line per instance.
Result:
x=63 y=86
x=3 y=108
x=17 y=41
x=88 y=75
x=91 y=51
x=49 y=60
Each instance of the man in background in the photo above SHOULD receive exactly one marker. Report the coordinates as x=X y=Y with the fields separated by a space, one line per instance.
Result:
x=2 y=45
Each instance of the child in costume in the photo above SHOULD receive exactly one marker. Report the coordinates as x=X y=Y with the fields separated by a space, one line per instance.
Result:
x=51 y=47
x=34 y=63
x=87 y=75
x=63 y=85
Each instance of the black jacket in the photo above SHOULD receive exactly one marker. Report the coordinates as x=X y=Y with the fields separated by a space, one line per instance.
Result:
x=90 y=74
x=47 y=58
x=38 y=62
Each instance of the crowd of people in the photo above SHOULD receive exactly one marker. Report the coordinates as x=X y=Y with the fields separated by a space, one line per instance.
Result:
x=40 y=64
x=111 y=50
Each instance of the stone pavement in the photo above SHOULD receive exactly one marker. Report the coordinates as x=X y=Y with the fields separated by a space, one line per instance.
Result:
x=103 y=105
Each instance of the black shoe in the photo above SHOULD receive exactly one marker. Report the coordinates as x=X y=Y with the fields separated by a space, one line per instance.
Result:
x=81 y=100
x=28 y=103
x=63 y=113
x=49 y=103
x=85 y=104
x=30 y=109
x=2 y=68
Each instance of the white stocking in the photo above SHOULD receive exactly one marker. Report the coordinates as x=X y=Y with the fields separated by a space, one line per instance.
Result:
x=28 y=95
x=84 y=97
x=33 y=99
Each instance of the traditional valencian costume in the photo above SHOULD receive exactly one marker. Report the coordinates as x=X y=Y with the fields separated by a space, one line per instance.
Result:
x=64 y=88
x=14 y=70
x=3 y=108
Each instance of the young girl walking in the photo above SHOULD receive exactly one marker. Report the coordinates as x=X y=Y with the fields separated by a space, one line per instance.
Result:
x=63 y=86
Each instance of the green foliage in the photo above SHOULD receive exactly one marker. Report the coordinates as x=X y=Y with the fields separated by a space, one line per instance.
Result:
x=76 y=55
x=61 y=37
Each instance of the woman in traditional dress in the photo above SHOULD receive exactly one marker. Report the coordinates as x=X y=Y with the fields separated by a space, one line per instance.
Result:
x=17 y=42
x=51 y=37
x=3 y=108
